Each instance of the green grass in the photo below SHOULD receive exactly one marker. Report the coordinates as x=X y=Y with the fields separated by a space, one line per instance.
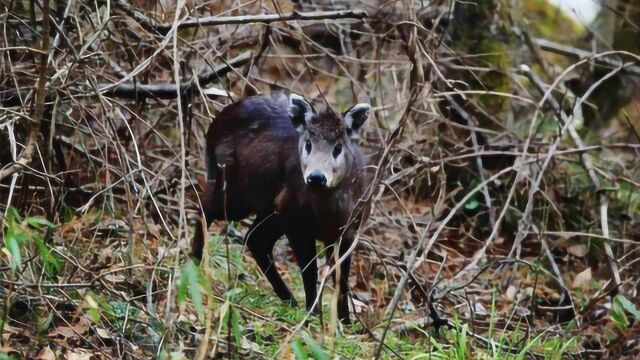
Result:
x=254 y=294
x=246 y=307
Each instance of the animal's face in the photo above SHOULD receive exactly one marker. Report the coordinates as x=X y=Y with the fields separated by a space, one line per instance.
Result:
x=326 y=141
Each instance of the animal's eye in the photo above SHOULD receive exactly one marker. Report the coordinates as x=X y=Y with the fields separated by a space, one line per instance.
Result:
x=307 y=147
x=337 y=150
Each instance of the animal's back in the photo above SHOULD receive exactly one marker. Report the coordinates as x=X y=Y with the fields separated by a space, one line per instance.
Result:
x=257 y=144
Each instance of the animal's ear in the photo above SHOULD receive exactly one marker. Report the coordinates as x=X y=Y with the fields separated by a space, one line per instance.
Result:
x=300 y=112
x=355 y=117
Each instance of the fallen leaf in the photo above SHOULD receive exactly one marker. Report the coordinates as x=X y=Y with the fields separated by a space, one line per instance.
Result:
x=363 y=295
x=82 y=325
x=510 y=294
x=103 y=333
x=216 y=91
x=522 y=311
x=579 y=250
x=63 y=331
x=46 y=354
x=582 y=278
x=480 y=310
x=79 y=355
x=115 y=278
x=359 y=306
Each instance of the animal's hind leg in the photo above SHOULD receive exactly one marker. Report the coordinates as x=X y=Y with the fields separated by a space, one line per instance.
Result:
x=221 y=200
x=260 y=239
x=197 y=243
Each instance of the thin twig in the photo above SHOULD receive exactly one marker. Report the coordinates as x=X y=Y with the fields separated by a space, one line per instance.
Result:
x=472 y=122
x=585 y=158
x=25 y=156
x=579 y=54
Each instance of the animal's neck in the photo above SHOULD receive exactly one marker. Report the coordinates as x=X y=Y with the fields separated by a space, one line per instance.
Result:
x=334 y=202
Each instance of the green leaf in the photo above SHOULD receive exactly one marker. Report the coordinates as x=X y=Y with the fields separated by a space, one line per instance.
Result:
x=119 y=308
x=12 y=214
x=192 y=282
x=627 y=305
x=462 y=343
x=317 y=350
x=617 y=314
x=12 y=243
x=5 y=356
x=298 y=350
x=229 y=294
x=235 y=325
x=49 y=261
x=40 y=222
x=471 y=204
x=93 y=307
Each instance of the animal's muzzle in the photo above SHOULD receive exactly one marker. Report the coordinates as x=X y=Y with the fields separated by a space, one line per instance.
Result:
x=316 y=178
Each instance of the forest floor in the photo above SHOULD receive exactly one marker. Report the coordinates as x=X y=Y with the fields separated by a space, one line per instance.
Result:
x=118 y=301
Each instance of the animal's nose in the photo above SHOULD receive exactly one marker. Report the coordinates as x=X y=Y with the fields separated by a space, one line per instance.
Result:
x=316 y=178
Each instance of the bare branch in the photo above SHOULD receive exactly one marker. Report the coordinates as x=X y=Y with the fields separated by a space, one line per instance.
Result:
x=163 y=29
x=579 y=54
x=140 y=91
x=170 y=91
x=270 y=18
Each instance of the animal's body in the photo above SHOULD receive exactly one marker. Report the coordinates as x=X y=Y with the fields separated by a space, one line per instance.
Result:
x=298 y=171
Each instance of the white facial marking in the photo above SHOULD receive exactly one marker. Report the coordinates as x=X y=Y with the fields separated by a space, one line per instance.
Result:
x=321 y=160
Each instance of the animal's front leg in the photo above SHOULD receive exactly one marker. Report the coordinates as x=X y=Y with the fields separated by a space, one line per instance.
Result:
x=343 y=288
x=304 y=249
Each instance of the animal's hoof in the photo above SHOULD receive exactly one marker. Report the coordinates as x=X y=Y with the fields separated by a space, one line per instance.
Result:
x=196 y=259
x=344 y=319
x=315 y=311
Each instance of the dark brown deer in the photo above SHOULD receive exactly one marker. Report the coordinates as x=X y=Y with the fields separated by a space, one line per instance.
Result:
x=298 y=171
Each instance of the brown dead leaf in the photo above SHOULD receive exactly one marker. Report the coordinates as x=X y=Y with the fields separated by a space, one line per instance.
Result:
x=79 y=355
x=83 y=325
x=510 y=294
x=359 y=306
x=74 y=226
x=46 y=354
x=479 y=309
x=579 y=250
x=63 y=331
x=114 y=278
x=79 y=328
x=8 y=330
x=103 y=333
x=582 y=278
